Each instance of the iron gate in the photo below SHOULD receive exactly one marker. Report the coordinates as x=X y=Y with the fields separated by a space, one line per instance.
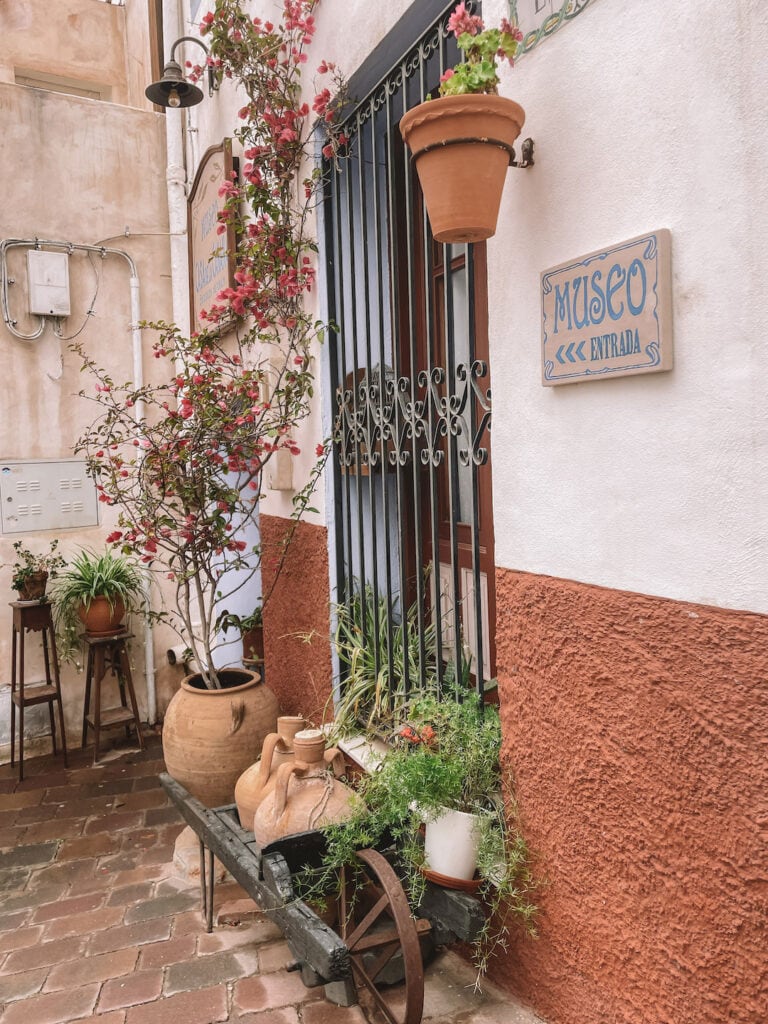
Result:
x=412 y=397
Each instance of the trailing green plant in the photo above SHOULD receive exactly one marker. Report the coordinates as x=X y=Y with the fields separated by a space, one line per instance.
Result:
x=447 y=756
x=379 y=654
x=87 y=576
x=29 y=565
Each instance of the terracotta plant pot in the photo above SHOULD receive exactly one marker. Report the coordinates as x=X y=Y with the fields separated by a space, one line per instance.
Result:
x=461 y=146
x=259 y=779
x=211 y=736
x=33 y=587
x=253 y=644
x=102 y=618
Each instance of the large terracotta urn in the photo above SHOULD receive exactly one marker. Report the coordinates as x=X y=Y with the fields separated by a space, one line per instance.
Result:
x=259 y=779
x=307 y=793
x=461 y=146
x=211 y=736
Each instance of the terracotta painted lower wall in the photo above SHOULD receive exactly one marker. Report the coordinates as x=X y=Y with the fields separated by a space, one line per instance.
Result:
x=637 y=731
x=297 y=617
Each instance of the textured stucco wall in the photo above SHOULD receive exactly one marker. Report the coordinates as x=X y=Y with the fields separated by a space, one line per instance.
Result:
x=297 y=617
x=636 y=729
x=81 y=171
x=82 y=41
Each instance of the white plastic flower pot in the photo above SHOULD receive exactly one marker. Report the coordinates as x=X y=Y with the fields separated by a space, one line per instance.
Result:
x=450 y=844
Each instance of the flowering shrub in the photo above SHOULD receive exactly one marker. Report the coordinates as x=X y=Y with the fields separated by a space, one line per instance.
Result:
x=183 y=460
x=482 y=47
x=269 y=204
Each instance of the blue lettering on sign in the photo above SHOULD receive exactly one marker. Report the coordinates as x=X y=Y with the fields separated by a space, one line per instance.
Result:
x=636 y=269
x=587 y=304
x=604 y=313
x=209 y=220
x=563 y=304
x=205 y=272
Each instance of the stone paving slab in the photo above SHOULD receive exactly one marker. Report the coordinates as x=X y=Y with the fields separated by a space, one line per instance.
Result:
x=95 y=925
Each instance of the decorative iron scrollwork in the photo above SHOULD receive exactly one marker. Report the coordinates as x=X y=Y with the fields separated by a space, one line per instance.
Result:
x=400 y=419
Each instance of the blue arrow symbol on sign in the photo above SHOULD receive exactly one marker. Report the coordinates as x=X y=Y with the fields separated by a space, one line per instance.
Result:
x=579 y=353
x=560 y=354
x=569 y=352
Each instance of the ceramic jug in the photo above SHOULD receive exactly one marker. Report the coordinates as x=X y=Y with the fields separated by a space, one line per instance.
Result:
x=307 y=793
x=259 y=779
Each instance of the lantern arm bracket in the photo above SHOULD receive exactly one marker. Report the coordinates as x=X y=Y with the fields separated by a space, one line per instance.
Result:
x=213 y=85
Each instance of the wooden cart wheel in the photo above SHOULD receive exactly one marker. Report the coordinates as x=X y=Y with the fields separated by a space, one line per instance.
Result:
x=375 y=928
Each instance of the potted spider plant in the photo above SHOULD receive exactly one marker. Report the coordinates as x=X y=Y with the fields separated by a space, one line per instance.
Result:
x=96 y=590
x=251 y=629
x=379 y=656
x=462 y=142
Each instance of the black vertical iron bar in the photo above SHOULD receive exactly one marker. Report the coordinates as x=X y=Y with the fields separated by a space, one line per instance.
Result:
x=431 y=428
x=451 y=443
x=368 y=428
x=353 y=325
x=345 y=538
x=413 y=385
x=384 y=446
x=474 y=525
x=333 y=262
x=397 y=427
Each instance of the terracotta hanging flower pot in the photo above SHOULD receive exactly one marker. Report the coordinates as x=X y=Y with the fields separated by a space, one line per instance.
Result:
x=461 y=146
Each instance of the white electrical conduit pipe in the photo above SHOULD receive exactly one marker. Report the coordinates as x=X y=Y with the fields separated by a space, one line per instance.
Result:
x=138 y=381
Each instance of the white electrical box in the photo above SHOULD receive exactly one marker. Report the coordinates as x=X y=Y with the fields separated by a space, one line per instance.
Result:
x=48 y=277
x=46 y=496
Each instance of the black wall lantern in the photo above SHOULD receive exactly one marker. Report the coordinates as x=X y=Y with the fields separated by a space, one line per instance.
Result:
x=173 y=90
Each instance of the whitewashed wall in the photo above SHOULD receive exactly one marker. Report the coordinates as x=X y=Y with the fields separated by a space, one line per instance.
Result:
x=346 y=33
x=645 y=115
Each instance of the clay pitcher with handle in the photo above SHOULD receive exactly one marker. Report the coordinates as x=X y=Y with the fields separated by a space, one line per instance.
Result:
x=307 y=793
x=259 y=778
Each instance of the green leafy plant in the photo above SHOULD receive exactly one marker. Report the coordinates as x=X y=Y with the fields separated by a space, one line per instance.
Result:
x=482 y=47
x=376 y=650
x=243 y=623
x=29 y=565
x=87 y=576
x=447 y=756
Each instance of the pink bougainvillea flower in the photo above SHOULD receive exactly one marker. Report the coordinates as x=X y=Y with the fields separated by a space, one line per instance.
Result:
x=462 y=21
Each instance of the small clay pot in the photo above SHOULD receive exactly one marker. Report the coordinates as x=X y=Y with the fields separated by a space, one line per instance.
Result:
x=33 y=587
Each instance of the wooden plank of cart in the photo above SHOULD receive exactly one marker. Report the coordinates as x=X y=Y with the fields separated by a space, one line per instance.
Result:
x=379 y=941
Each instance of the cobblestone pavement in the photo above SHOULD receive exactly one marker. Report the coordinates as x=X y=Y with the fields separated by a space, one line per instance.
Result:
x=96 y=925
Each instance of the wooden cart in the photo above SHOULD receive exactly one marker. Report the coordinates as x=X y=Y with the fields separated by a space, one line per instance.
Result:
x=378 y=940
